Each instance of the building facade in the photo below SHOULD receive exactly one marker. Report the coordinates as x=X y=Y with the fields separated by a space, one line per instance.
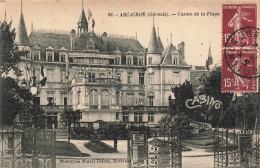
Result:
x=107 y=78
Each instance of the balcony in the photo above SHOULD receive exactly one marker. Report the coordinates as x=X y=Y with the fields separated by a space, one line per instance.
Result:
x=161 y=109
x=96 y=81
x=55 y=108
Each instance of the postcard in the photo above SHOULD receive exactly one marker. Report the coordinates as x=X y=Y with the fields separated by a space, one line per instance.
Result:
x=129 y=84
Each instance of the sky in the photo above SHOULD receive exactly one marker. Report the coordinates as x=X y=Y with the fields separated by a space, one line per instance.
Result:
x=198 y=32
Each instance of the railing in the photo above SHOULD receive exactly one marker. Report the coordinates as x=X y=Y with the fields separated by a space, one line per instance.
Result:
x=48 y=108
x=105 y=107
x=96 y=81
x=93 y=106
x=146 y=108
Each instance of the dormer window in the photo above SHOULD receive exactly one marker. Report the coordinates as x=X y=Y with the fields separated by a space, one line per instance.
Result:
x=49 y=56
x=62 y=58
x=36 y=57
x=129 y=61
x=150 y=60
x=175 y=61
x=117 y=60
x=140 y=61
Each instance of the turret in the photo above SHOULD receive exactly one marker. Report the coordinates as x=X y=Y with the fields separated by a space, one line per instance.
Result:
x=21 y=38
x=153 y=53
x=82 y=23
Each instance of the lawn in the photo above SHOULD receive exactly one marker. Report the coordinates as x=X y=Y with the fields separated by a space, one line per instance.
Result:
x=204 y=140
x=99 y=147
x=62 y=148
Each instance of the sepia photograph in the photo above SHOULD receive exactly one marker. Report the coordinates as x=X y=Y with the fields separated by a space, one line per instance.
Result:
x=129 y=84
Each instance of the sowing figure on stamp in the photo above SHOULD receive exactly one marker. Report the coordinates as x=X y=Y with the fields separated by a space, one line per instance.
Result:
x=237 y=19
x=236 y=65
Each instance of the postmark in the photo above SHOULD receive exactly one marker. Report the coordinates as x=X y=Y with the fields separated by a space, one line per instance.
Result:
x=239 y=48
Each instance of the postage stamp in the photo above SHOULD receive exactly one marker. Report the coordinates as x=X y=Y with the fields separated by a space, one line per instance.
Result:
x=239 y=46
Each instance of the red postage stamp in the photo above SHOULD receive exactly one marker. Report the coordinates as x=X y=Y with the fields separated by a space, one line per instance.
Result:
x=239 y=46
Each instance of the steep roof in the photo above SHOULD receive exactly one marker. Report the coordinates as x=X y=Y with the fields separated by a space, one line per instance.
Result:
x=50 y=39
x=160 y=45
x=153 y=47
x=21 y=33
x=167 y=56
x=82 y=18
x=63 y=40
x=82 y=39
x=124 y=45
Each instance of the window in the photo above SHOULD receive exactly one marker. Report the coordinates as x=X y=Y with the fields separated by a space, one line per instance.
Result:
x=117 y=60
x=141 y=78
x=150 y=78
x=117 y=116
x=50 y=98
x=93 y=97
x=62 y=58
x=150 y=60
x=64 y=99
x=50 y=57
x=176 y=78
x=130 y=100
x=63 y=76
x=141 y=61
x=125 y=117
x=129 y=61
x=150 y=117
x=150 y=101
x=105 y=97
x=129 y=77
x=78 y=97
x=50 y=73
x=91 y=60
x=36 y=57
x=175 y=61
x=91 y=77
x=117 y=97
x=138 y=117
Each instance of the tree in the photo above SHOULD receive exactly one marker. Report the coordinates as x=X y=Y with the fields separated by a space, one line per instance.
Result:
x=179 y=114
x=10 y=55
x=14 y=100
x=182 y=94
x=212 y=87
x=18 y=101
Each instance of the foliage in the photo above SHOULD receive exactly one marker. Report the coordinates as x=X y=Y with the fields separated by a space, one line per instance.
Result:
x=10 y=55
x=242 y=109
x=182 y=93
x=82 y=133
x=69 y=115
x=98 y=147
x=16 y=100
x=212 y=87
x=232 y=113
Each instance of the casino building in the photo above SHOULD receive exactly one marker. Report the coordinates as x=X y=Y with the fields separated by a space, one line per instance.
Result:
x=106 y=77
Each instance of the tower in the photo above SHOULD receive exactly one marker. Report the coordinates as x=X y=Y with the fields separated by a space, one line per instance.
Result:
x=153 y=53
x=21 y=38
x=210 y=59
x=160 y=45
x=82 y=23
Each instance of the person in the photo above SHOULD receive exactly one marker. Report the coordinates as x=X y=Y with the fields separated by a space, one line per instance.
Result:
x=236 y=21
x=237 y=66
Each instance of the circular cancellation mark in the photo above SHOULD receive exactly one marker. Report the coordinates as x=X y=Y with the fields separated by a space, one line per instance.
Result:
x=242 y=47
